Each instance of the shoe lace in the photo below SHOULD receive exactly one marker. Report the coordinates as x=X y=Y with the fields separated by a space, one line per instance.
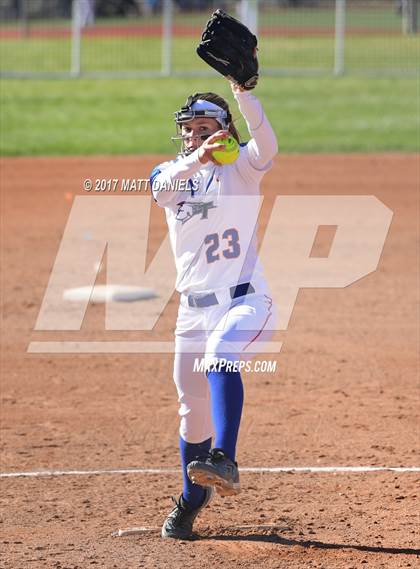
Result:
x=178 y=510
x=214 y=454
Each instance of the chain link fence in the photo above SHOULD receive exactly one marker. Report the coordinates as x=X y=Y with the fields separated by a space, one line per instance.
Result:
x=145 y=38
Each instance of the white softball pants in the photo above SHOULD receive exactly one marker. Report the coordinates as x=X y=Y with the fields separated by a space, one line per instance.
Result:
x=234 y=332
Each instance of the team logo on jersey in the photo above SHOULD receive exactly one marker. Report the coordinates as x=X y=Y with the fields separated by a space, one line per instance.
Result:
x=187 y=210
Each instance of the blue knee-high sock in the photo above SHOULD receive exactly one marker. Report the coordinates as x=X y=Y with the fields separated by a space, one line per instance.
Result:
x=227 y=397
x=192 y=493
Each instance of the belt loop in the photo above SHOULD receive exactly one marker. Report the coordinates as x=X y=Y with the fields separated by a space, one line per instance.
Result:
x=211 y=299
x=241 y=290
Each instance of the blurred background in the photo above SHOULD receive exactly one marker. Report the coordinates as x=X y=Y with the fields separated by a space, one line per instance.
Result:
x=151 y=37
x=336 y=75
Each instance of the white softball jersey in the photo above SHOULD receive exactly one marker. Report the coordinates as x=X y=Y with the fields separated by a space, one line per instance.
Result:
x=212 y=213
x=212 y=210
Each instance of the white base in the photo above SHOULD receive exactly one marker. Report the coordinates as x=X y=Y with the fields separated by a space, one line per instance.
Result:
x=108 y=293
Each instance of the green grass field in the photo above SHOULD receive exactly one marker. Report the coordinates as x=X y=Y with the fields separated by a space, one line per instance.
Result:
x=64 y=117
x=357 y=112
x=386 y=54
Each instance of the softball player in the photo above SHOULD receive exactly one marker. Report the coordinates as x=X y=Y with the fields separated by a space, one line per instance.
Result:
x=225 y=306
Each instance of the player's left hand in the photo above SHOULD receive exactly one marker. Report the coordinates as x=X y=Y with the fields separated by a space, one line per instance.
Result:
x=236 y=88
x=230 y=47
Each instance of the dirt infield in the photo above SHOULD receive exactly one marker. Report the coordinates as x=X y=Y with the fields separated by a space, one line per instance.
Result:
x=345 y=394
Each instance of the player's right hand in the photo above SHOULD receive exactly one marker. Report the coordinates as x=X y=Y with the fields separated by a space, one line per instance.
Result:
x=209 y=145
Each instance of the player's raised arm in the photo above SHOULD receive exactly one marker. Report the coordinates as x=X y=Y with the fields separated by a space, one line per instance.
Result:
x=263 y=144
x=230 y=47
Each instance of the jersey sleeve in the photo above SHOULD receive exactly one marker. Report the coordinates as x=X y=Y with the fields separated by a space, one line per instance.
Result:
x=256 y=156
x=171 y=181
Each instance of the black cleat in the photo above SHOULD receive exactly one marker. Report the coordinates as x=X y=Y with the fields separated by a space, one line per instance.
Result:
x=179 y=523
x=216 y=469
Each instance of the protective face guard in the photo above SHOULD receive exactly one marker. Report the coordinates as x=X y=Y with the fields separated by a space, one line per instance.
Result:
x=179 y=140
x=186 y=114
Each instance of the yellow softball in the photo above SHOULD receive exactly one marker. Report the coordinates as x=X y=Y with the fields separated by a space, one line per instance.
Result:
x=229 y=153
